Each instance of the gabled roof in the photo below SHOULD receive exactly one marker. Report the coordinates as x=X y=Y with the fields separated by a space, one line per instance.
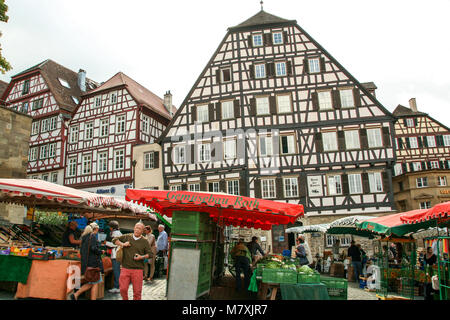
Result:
x=369 y=85
x=142 y=95
x=3 y=86
x=52 y=72
x=261 y=18
x=404 y=111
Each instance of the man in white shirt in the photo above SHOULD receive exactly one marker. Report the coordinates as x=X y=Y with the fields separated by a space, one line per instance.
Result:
x=115 y=233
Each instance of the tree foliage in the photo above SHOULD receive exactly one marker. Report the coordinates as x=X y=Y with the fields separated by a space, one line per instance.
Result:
x=50 y=218
x=4 y=64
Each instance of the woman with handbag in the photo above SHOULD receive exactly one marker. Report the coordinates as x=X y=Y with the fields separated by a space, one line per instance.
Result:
x=301 y=252
x=91 y=262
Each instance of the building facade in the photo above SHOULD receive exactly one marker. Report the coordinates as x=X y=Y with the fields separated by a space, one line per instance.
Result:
x=148 y=167
x=273 y=115
x=422 y=170
x=109 y=121
x=49 y=93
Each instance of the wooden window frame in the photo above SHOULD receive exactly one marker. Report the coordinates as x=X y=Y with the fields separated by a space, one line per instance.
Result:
x=344 y=106
x=83 y=167
x=116 y=157
x=273 y=38
x=277 y=74
x=320 y=101
x=204 y=112
x=102 y=126
x=318 y=65
x=326 y=134
x=285 y=189
x=262 y=67
x=262 y=40
x=89 y=129
x=149 y=160
x=373 y=183
x=231 y=102
x=423 y=182
x=358 y=139
x=72 y=165
x=268 y=105
x=99 y=162
x=272 y=194
x=340 y=183
x=179 y=147
x=267 y=138
x=118 y=124
x=368 y=130
x=350 y=185
x=295 y=143
x=278 y=104
x=235 y=183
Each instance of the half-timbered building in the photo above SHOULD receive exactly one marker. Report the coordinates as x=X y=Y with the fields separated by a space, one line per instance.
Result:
x=109 y=121
x=422 y=170
x=273 y=115
x=49 y=93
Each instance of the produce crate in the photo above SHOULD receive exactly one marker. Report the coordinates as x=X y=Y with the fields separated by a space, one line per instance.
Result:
x=191 y=222
x=336 y=287
x=279 y=276
x=259 y=269
x=308 y=278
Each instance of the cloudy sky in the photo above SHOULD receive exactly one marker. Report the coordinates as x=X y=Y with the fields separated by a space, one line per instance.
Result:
x=401 y=45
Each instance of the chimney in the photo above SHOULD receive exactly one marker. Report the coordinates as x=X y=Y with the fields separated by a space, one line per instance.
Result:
x=168 y=102
x=82 y=80
x=413 y=104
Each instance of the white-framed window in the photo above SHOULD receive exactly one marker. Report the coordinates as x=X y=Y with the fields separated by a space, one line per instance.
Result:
x=325 y=101
x=225 y=75
x=334 y=185
x=35 y=127
x=268 y=190
x=347 y=100
x=442 y=181
x=229 y=147
x=280 y=69
x=314 y=65
x=43 y=152
x=45 y=177
x=38 y=104
x=262 y=105
x=413 y=142
x=233 y=187
x=375 y=182
x=227 y=110
x=44 y=125
x=284 y=103
x=434 y=165
x=374 y=138
x=73 y=134
x=33 y=154
x=149 y=160
x=202 y=113
x=119 y=159
x=422 y=182
x=265 y=146
x=213 y=186
x=329 y=140
x=345 y=241
x=290 y=187
x=194 y=187
x=72 y=167
x=86 y=164
x=204 y=151
x=287 y=144
x=417 y=166
x=97 y=101
x=53 y=123
x=179 y=155
x=355 y=183
x=260 y=70
x=425 y=205
x=113 y=97
x=277 y=38
x=89 y=130
x=51 y=150
x=54 y=177
x=398 y=170
x=410 y=122
x=26 y=87
x=104 y=127
x=257 y=40
x=145 y=124
x=352 y=139
x=175 y=187
x=446 y=140
x=102 y=161
x=120 y=124
x=431 y=141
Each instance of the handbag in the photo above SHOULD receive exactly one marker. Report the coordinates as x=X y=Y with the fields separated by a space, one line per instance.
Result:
x=92 y=274
x=119 y=255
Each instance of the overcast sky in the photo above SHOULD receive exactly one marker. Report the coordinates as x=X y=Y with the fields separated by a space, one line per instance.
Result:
x=401 y=45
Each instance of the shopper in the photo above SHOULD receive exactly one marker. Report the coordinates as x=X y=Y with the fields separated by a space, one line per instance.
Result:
x=135 y=250
x=115 y=233
x=254 y=248
x=363 y=258
x=430 y=260
x=300 y=252
x=242 y=259
x=90 y=257
x=355 y=255
x=149 y=269
x=69 y=238
x=162 y=245
x=335 y=249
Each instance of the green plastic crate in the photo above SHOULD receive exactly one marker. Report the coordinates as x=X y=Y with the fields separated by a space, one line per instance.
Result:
x=279 y=276
x=191 y=222
x=336 y=287
x=308 y=278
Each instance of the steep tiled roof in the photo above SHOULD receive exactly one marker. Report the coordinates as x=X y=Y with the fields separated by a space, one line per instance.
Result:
x=141 y=94
x=369 y=85
x=3 y=86
x=404 y=111
x=261 y=18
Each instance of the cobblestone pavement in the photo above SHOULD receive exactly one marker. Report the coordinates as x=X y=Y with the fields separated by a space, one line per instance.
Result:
x=150 y=291
x=355 y=293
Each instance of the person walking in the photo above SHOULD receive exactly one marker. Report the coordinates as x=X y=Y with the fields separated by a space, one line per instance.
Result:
x=115 y=233
x=300 y=252
x=90 y=257
x=355 y=255
x=335 y=249
x=162 y=245
x=242 y=259
x=363 y=259
x=254 y=248
x=135 y=250
x=430 y=260
x=149 y=269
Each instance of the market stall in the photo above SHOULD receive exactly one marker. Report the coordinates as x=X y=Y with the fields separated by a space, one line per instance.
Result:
x=198 y=220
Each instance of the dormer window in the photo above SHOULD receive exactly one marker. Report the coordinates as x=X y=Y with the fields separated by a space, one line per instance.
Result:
x=258 y=40
x=97 y=101
x=113 y=97
x=277 y=38
x=410 y=122
x=64 y=83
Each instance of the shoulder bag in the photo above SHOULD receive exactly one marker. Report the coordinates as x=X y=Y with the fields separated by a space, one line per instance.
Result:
x=91 y=274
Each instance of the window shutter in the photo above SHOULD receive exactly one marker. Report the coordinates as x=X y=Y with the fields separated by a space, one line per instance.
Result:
x=192 y=150
x=203 y=185
x=341 y=140
x=419 y=142
x=237 y=108
x=218 y=106
x=268 y=39
x=289 y=68
x=446 y=164
x=425 y=141
x=305 y=66
x=408 y=145
x=156 y=159
x=279 y=187
x=439 y=141
x=252 y=72
x=428 y=164
x=243 y=187
x=415 y=122
x=345 y=189
x=357 y=97
x=405 y=122
x=217 y=151
x=257 y=184
x=252 y=106
x=302 y=185
x=194 y=113
x=400 y=143
x=218 y=76
x=211 y=112
x=423 y=165
x=270 y=69
x=319 y=143
x=169 y=156
x=315 y=100
x=223 y=186
x=411 y=167
x=285 y=37
x=336 y=99
x=386 y=137
x=250 y=41
x=404 y=167
x=322 y=64
x=441 y=164
x=386 y=182
x=365 y=182
x=364 y=141
x=273 y=105
x=184 y=186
